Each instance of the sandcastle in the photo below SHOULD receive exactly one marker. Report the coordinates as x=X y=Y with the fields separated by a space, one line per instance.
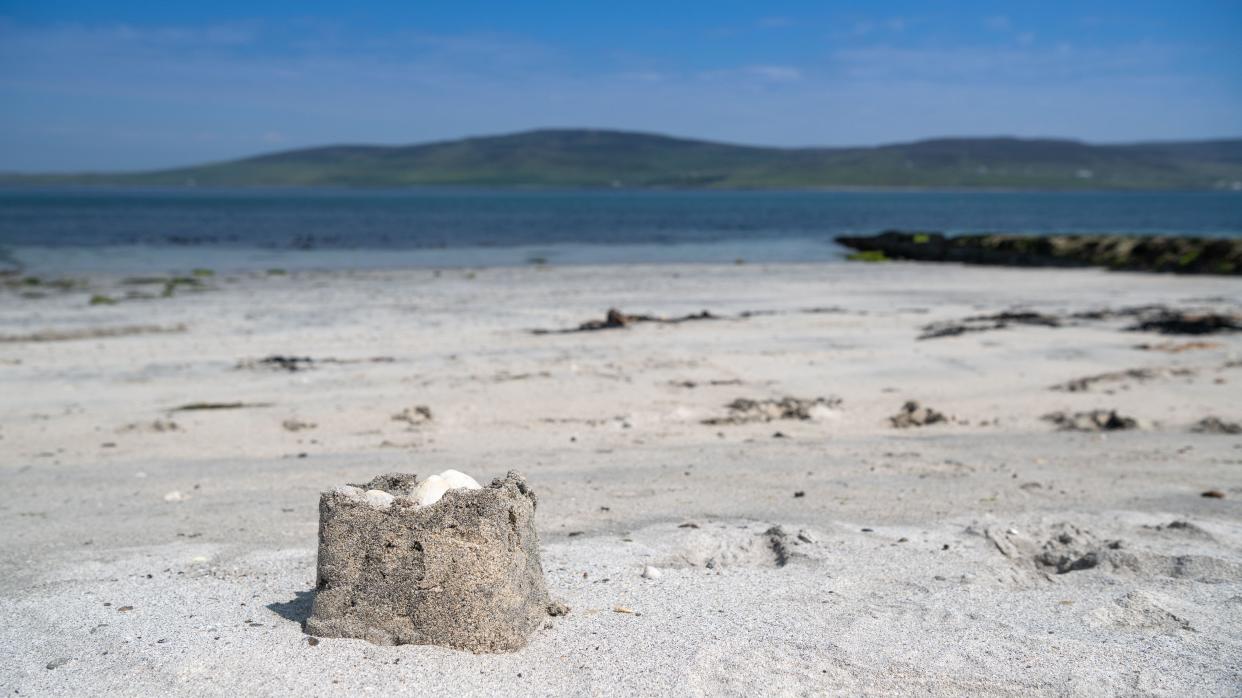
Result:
x=440 y=561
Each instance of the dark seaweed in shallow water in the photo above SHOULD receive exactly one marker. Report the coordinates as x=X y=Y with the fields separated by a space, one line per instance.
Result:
x=1182 y=255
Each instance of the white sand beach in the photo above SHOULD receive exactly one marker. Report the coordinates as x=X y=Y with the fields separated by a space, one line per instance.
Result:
x=147 y=550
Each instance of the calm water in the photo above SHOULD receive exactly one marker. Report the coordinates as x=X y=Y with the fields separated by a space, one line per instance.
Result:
x=138 y=229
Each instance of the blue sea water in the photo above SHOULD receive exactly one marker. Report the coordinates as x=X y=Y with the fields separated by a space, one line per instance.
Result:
x=141 y=229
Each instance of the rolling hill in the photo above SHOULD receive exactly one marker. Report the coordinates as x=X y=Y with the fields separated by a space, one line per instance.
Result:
x=595 y=158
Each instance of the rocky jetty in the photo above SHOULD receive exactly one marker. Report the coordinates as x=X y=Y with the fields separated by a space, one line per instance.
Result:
x=1182 y=255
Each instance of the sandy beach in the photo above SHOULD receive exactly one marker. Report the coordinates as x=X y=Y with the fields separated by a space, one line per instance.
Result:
x=161 y=480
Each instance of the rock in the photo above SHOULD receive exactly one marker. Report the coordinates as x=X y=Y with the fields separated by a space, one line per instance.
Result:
x=57 y=663
x=650 y=572
x=1213 y=494
x=463 y=572
x=912 y=414
x=176 y=496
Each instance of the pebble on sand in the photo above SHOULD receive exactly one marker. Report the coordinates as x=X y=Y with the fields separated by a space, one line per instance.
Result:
x=650 y=572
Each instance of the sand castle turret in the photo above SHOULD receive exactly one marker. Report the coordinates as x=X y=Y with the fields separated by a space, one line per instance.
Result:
x=441 y=561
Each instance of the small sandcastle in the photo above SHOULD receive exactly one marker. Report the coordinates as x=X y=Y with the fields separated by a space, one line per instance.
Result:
x=442 y=561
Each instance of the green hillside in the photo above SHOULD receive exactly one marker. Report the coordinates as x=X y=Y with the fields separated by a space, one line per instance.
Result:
x=590 y=158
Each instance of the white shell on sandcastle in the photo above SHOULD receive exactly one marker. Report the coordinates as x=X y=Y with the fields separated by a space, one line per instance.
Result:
x=430 y=491
x=456 y=479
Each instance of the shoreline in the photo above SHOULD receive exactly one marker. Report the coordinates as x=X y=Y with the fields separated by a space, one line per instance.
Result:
x=70 y=260
x=139 y=259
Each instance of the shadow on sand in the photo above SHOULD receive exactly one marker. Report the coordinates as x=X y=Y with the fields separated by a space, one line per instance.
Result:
x=297 y=609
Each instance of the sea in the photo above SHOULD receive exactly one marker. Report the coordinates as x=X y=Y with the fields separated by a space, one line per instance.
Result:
x=75 y=230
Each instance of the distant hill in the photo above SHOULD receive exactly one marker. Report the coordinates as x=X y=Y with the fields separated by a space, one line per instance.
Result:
x=592 y=158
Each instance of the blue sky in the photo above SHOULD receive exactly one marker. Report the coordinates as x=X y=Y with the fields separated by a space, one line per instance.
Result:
x=133 y=85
